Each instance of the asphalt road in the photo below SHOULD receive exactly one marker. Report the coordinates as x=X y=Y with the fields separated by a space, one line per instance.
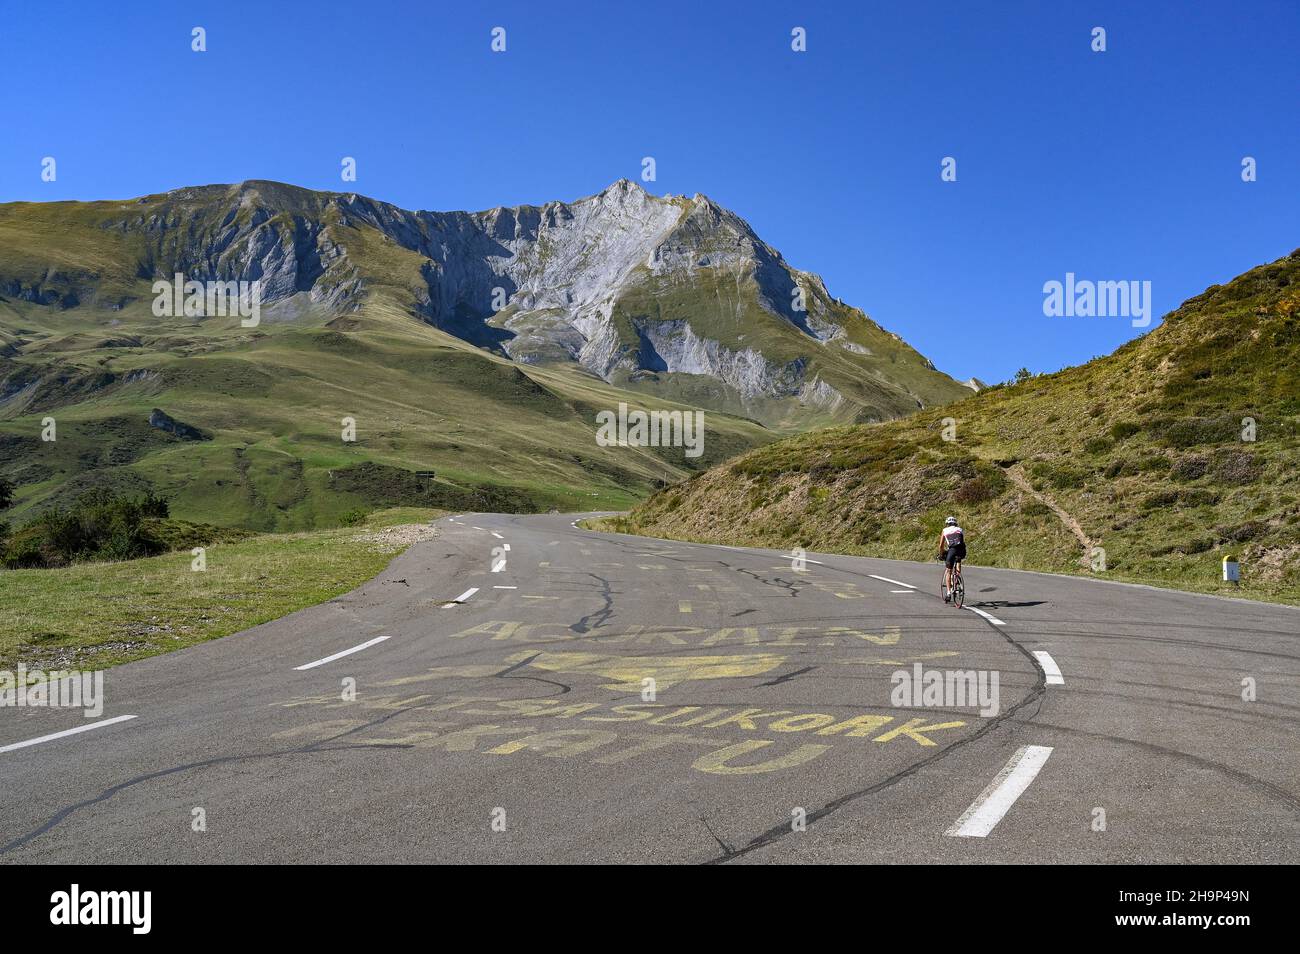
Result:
x=517 y=726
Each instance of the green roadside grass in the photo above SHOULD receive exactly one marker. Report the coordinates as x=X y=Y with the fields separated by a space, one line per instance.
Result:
x=95 y=615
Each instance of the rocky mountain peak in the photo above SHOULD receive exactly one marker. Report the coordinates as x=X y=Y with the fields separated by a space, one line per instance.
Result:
x=669 y=292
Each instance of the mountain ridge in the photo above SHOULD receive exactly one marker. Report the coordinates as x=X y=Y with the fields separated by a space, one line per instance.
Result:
x=670 y=295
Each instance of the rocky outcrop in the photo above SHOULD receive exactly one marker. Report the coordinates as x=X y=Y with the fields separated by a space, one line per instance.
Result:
x=165 y=422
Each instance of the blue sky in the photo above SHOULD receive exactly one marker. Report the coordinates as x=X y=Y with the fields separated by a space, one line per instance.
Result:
x=1117 y=165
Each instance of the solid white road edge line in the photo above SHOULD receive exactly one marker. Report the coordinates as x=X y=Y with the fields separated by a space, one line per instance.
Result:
x=992 y=619
x=996 y=800
x=888 y=580
x=58 y=735
x=346 y=652
x=1054 y=677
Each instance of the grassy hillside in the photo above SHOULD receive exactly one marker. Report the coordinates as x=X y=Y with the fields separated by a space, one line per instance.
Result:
x=1140 y=453
x=878 y=375
x=99 y=614
x=270 y=401
x=346 y=335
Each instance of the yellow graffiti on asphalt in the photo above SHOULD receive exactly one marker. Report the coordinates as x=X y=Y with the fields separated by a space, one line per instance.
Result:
x=627 y=672
x=512 y=729
x=775 y=635
x=721 y=740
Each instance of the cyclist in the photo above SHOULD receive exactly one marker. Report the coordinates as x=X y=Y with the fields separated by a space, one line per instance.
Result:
x=952 y=550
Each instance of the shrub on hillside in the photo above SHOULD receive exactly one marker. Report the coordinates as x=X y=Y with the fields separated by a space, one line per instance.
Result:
x=1058 y=476
x=1235 y=467
x=1191 y=467
x=1191 y=431
x=99 y=526
x=1160 y=500
x=351 y=518
x=974 y=491
x=1242 y=532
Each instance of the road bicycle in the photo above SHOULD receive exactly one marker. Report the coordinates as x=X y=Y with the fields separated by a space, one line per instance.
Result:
x=958 y=592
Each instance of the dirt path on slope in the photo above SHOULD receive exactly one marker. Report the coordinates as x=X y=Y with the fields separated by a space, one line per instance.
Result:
x=1017 y=477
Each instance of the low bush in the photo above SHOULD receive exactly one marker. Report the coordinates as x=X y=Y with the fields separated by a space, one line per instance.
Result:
x=99 y=526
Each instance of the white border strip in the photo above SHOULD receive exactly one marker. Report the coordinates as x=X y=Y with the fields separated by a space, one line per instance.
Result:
x=992 y=619
x=66 y=732
x=886 y=579
x=462 y=598
x=1054 y=677
x=346 y=652
x=996 y=800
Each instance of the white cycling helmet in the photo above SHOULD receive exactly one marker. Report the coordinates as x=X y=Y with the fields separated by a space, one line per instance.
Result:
x=950 y=522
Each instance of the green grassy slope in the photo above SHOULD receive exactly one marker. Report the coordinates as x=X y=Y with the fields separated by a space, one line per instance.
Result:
x=1140 y=453
x=880 y=376
x=272 y=399
x=94 y=615
x=79 y=343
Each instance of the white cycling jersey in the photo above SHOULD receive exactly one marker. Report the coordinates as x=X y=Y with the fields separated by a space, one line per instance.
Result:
x=954 y=537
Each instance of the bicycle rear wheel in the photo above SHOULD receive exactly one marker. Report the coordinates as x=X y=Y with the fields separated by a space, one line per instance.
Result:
x=958 y=589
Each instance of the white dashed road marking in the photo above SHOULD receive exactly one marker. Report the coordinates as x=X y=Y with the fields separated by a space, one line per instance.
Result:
x=992 y=619
x=886 y=579
x=66 y=732
x=1054 y=677
x=346 y=652
x=996 y=800
x=462 y=598
x=497 y=535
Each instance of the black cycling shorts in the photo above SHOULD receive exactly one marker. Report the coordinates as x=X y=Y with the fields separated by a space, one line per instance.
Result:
x=955 y=554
